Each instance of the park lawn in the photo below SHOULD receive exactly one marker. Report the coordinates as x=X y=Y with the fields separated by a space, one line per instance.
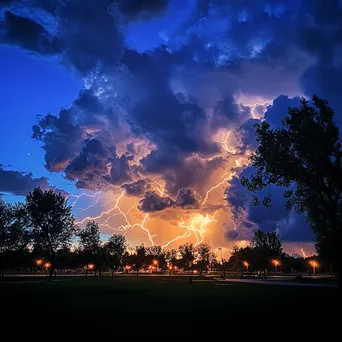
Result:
x=162 y=299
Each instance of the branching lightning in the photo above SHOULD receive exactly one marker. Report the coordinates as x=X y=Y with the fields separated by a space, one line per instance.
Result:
x=224 y=181
x=95 y=197
x=254 y=107
x=118 y=211
x=197 y=226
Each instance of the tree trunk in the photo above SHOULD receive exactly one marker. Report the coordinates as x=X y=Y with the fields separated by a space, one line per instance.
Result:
x=265 y=276
x=137 y=273
x=112 y=274
x=52 y=267
x=95 y=273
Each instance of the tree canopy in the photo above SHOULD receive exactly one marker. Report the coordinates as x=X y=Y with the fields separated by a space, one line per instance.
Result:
x=51 y=222
x=304 y=157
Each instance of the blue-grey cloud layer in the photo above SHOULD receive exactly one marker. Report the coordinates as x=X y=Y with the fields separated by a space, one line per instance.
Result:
x=178 y=96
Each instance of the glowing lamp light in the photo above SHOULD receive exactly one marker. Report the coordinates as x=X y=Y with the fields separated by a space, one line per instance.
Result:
x=313 y=263
x=170 y=267
x=195 y=271
x=39 y=262
x=155 y=262
x=245 y=263
x=275 y=262
x=91 y=266
x=128 y=267
x=47 y=265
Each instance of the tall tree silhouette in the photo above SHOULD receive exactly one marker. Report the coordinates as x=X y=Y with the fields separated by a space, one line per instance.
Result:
x=5 y=223
x=203 y=256
x=90 y=243
x=265 y=246
x=187 y=251
x=51 y=222
x=305 y=157
x=115 y=249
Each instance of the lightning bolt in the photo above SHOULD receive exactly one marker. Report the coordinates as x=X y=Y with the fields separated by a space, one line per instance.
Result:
x=303 y=252
x=226 y=179
x=254 y=106
x=225 y=144
x=123 y=228
x=83 y=194
x=197 y=227
x=160 y=188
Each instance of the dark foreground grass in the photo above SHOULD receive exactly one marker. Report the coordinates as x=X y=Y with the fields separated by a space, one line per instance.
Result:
x=161 y=299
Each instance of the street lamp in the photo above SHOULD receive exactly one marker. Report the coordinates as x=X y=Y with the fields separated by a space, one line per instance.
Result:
x=170 y=269
x=314 y=264
x=155 y=263
x=47 y=265
x=223 y=269
x=275 y=263
x=246 y=264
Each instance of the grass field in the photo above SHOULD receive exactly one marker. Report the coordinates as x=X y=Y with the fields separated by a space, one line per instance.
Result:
x=166 y=299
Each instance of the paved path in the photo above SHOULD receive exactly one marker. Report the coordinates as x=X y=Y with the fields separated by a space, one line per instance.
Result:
x=275 y=282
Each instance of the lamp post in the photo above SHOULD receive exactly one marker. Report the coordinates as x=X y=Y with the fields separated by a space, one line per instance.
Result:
x=223 y=270
x=275 y=263
x=314 y=264
x=47 y=265
x=155 y=263
x=39 y=263
x=246 y=264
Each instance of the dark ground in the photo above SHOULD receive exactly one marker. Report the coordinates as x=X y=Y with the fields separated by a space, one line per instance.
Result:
x=151 y=301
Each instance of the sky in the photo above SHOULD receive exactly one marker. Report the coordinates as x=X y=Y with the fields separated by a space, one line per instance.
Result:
x=142 y=111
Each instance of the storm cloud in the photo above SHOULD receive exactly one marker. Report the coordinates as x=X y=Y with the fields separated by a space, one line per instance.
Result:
x=20 y=183
x=164 y=113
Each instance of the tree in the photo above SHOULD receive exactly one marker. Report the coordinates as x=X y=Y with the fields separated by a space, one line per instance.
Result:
x=187 y=255
x=156 y=254
x=266 y=246
x=238 y=258
x=14 y=236
x=138 y=259
x=304 y=156
x=115 y=249
x=202 y=256
x=66 y=258
x=90 y=244
x=51 y=222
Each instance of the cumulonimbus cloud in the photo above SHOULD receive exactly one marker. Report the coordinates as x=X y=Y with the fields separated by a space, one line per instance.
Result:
x=176 y=100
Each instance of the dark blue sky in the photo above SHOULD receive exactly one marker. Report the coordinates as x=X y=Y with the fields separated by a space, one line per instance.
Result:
x=143 y=90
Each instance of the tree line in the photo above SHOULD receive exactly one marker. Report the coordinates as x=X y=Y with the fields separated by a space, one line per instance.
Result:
x=41 y=233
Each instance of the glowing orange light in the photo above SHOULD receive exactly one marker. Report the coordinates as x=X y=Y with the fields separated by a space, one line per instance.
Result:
x=195 y=271
x=176 y=268
x=170 y=267
x=155 y=262
x=245 y=263
x=275 y=262
x=47 y=265
x=39 y=262
x=313 y=263
x=91 y=266
x=128 y=267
